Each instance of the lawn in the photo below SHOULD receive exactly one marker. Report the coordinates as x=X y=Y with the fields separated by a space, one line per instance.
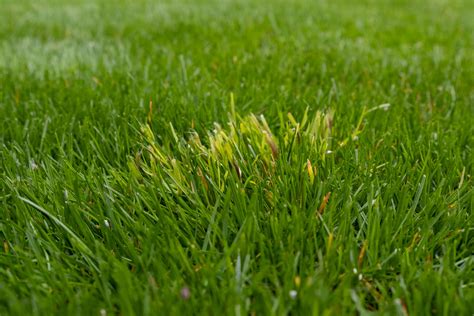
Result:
x=236 y=157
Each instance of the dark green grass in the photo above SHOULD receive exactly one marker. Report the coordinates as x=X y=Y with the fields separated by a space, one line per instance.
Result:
x=90 y=224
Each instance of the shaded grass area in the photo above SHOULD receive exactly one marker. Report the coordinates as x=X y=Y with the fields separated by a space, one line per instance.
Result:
x=110 y=205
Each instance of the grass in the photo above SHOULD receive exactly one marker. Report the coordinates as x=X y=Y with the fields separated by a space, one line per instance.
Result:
x=238 y=157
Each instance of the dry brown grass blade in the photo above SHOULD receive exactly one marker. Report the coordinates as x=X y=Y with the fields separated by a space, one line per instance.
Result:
x=324 y=203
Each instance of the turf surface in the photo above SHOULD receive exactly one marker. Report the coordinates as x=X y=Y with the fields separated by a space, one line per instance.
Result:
x=149 y=163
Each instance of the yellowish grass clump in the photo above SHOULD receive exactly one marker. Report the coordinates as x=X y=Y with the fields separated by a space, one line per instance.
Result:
x=244 y=152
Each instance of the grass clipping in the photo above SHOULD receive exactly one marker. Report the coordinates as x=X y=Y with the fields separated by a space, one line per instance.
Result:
x=244 y=154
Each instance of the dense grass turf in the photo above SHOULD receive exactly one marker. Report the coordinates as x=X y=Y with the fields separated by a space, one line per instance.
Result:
x=113 y=205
